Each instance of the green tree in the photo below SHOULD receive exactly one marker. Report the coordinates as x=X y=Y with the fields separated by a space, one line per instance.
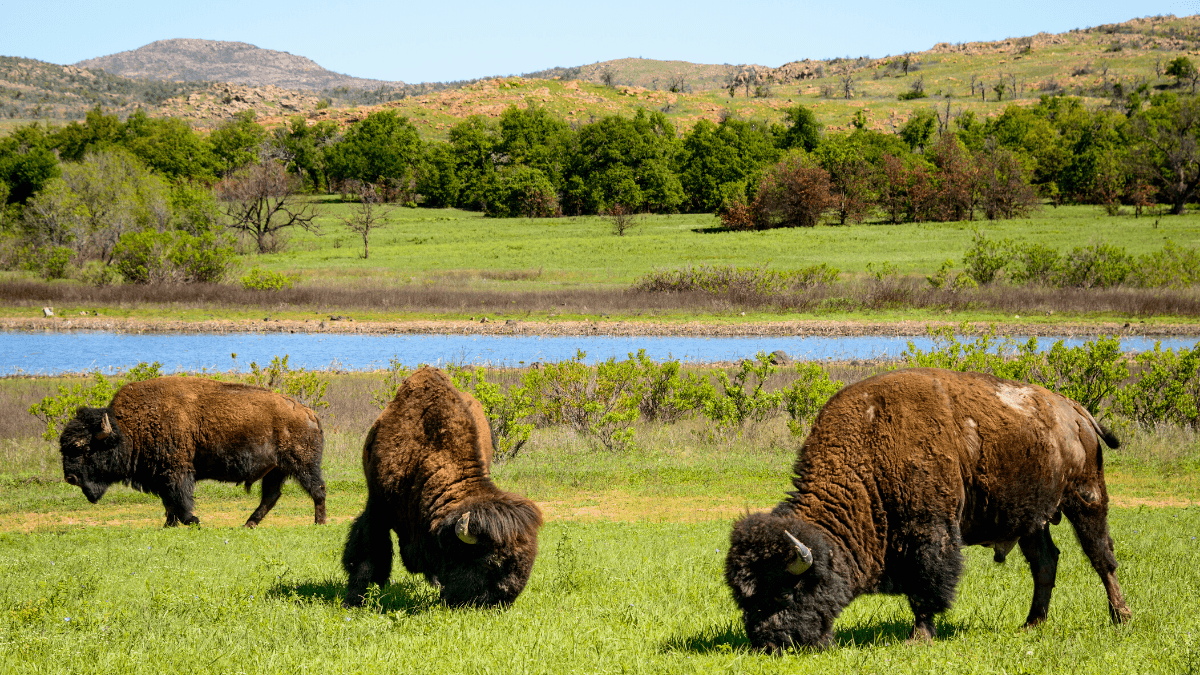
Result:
x=919 y=129
x=95 y=202
x=27 y=162
x=1181 y=68
x=98 y=132
x=170 y=147
x=237 y=142
x=718 y=161
x=620 y=160
x=473 y=142
x=1166 y=148
x=802 y=130
x=534 y=137
x=302 y=147
x=383 y=148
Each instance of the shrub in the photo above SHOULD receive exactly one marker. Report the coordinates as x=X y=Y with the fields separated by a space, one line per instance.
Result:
x=1096 y=266
x=742 y=397
x=303 y=385
x=1172 y=267
x=1168 y=389
x=807 y=395
x=720 y=279
x=156 y=257
x=56 y=262
x=396 y=374
x=1036 y=264
x=264 y=280
x=143 y=257
x=56 y=411
x=600 y=403
x=508 y=409
x=986 y=258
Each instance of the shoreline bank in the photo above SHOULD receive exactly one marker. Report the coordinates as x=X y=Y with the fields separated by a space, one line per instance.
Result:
x=499 y=327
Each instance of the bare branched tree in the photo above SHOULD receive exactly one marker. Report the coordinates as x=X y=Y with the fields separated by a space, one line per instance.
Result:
x=260 y=200
x=371 y=212
x=848 y=85
x=622 y=218
x=677 y=82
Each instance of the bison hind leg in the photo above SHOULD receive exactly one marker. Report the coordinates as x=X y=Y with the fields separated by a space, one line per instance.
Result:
x=314 y=485
x=931 y=580
x=367 y=557
x=272 y=487
x=1089 y=518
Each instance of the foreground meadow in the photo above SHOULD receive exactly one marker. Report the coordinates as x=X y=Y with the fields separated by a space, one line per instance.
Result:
x=629 y=577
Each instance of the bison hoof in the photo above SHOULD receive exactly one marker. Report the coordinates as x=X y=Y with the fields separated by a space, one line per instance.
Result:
x=251 y=524
x=1120 y=614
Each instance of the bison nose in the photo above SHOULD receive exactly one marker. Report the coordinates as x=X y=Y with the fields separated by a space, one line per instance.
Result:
x=72 y=480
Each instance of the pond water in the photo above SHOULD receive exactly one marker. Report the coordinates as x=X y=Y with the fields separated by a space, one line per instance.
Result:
x=51 y=353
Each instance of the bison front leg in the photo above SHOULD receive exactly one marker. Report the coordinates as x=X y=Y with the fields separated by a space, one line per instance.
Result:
x=930 y=582
x=1042 y=555
x=272 y=487
x=178 y=502
x=367 y=557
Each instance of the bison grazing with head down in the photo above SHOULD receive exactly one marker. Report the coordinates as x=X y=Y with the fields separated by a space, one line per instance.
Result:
x=162 y=435
x=901 y=470
x=426 y=461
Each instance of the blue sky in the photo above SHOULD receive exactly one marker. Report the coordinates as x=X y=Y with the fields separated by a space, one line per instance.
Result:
x=432 y=41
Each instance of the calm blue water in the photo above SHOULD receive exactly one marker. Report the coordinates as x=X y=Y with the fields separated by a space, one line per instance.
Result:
x=49 y=353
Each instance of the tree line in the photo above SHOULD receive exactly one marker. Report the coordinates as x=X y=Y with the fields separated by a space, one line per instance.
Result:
x=85 y=185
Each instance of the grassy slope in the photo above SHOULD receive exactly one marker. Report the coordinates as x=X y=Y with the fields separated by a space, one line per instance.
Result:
x=946 y=69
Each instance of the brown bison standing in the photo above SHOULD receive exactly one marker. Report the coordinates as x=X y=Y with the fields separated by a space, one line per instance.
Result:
x=426 y=461
x=162 y=435
x=899 y=472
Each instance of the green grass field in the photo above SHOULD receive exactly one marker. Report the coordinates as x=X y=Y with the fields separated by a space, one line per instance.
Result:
x=448 y=245
x=629 y=576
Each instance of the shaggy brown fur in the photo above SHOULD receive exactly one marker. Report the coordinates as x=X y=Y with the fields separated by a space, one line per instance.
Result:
x=899 y=472
x=169 y=432
x=426 y=462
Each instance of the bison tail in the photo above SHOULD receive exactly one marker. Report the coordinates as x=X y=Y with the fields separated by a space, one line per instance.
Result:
x=1110 y=439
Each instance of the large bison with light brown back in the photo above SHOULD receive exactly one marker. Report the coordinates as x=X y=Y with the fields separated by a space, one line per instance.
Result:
x=901 y=470
x=426 y=461
x=162 y=435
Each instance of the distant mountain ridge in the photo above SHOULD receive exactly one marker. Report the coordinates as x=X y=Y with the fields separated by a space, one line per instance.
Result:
x=189 y=60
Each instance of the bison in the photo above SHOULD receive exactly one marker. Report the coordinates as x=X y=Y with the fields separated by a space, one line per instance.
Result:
x=426 y=462
x=162 y=435
x=901 y=470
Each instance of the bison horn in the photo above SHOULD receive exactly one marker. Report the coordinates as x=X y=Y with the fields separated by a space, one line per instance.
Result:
x=105 y=428
x=803 y=560
x=461 y=529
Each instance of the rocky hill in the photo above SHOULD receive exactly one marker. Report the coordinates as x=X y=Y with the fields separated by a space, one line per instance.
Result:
x=233 y=62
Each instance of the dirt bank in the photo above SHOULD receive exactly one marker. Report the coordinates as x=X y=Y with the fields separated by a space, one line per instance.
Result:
x=576 y=328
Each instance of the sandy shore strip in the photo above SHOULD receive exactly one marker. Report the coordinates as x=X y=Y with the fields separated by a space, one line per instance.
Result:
x=809 y=328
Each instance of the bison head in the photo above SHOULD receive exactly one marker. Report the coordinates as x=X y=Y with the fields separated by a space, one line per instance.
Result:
x=780 y=571
x=91 y=455
x=488 y=549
